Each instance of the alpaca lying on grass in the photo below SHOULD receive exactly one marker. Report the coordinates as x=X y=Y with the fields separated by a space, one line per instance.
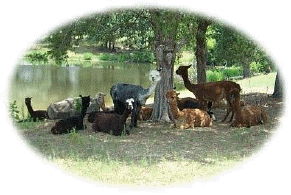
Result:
x=113 y=123
x=66 y=125
x=35 y=114
x=187 y=102
x=66 y=108
x=248 y=115
x=122 y=92
x=187 y=118
x=145 y=113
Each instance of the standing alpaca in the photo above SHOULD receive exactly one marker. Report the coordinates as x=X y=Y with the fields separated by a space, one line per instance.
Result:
x=249 y=115
x=209 y=92
x=187 y=118
x=121 y=92
x=112 y=122
x=66 y=108
x=66 y=125
x=40 y=114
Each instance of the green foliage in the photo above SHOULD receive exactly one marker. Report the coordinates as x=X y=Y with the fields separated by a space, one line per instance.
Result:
x=136 y=56
x=257 y=67
x=13 y=110
x=224 y=73
x=88 y=56
x=37 y=57
x=214 y=75
x=78 y=104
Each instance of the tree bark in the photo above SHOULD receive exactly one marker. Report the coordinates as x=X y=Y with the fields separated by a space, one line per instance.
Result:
x=278 y=89
x=165 y=61
x=201 y=49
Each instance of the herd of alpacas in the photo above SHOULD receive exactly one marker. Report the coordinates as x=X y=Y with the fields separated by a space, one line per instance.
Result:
x=130 y=99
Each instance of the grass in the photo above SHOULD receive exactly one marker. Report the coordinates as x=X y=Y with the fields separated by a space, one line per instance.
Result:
x=154 y=154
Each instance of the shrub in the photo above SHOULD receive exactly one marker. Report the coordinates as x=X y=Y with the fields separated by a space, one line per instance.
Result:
x=214 y=75
x=37 y=57
x=232 y=72
x=88 y=56
x=13 y=110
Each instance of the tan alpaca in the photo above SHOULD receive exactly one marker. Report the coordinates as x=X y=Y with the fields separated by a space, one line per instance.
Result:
x=249 y=115
x=187 y=118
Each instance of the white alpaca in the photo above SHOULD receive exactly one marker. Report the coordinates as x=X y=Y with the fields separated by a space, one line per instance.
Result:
x=66 y=108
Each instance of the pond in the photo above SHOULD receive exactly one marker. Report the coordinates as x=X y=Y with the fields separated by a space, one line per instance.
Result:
x=47 y=84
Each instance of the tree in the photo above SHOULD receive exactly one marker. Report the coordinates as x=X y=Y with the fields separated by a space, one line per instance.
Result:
x=278 y=89
x=233 y=47
x=59 y=43
x=165 y=27
x=201 y=48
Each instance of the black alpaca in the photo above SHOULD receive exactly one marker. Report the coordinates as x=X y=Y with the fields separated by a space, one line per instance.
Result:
x=112 y=122
x=66 y=125
x=38 y=114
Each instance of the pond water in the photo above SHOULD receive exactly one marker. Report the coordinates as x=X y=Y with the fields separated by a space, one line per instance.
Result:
x=47 y=84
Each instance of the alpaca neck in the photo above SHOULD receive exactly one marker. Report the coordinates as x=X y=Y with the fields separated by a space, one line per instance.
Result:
x=186 y=80
x=125 y=115
x=143 y=97
x=175 y=111
x=29 y=108
x=83 y=112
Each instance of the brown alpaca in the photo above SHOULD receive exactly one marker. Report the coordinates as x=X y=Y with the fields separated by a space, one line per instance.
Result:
x=145 y=113
x=187 y=118
x=249 y=115
x=40 y=114
x=209 y=92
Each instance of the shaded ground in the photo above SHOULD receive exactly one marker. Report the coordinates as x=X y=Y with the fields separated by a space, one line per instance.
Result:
x=155 y=142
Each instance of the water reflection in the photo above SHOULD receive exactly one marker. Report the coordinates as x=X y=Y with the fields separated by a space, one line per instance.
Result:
x=47 y=84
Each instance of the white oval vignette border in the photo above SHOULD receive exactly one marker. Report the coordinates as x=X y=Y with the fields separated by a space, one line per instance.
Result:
x=25 y=21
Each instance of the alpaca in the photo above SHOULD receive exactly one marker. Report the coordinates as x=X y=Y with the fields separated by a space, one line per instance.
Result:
x=248 y=115
x=121 y=92
x=66 y=108
x=192 y=103
x=145 y=113
x=209 y=92
x=187 y=118
x=187 y=102
x=97 y=103
x=66 y=125
x=37 y=114
x=113 y=123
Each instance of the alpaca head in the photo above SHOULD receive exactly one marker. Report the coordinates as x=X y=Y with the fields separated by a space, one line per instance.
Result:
x=28 y=101
x=154 y=76
x=100 y=98
x=85 y=101
x=129 y=103
x=172 y=97
x=182 y=69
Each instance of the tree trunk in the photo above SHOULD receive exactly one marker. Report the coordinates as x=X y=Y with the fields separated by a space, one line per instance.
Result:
x=165 y=61
x=246 y=67
x=201 y=49
x=278 y=89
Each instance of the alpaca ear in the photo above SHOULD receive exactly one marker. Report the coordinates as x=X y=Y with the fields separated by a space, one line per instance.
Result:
x=80 y=96
x=159 y=69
